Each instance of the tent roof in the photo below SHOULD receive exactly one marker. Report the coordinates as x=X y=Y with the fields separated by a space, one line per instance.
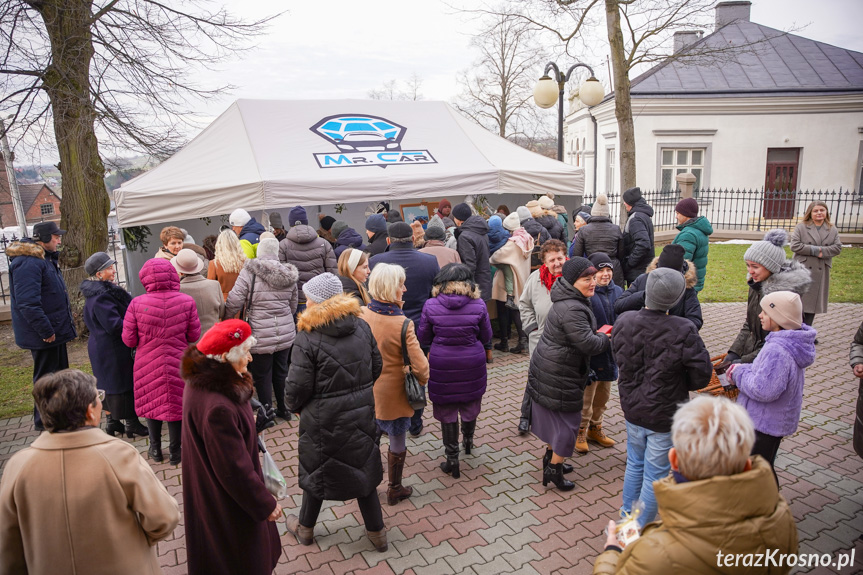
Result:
x=267 y=154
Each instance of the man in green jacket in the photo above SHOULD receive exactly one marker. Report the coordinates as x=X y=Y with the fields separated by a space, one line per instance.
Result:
x=693 y=236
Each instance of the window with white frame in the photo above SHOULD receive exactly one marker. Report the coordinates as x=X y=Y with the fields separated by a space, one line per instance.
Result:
x=46 y=209
x=610 y=161
x=679 y=161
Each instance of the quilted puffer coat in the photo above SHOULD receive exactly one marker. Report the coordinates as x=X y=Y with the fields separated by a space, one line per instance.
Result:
x=334 y=364
x=601 y=235
x=560 y=365
x=661 y=359
x=549 y=221
x=688 y=306
x=472 y=242
x=455 y=324
x=160 y=324
x=274 y=302
x=311 y=254
x=536 y=230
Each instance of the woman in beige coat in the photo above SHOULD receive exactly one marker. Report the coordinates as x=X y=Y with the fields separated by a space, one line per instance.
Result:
x=206 y=293
x=815 y=242
x=392 y=410
x=79 y=500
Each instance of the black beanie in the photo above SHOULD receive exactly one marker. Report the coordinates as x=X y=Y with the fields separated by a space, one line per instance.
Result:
x=632 y=195
x=327 y=222
x=461 y=211
x=601 y=260
x=671 y=257
x=577 y=267
x=399 y=231
x=394 y=216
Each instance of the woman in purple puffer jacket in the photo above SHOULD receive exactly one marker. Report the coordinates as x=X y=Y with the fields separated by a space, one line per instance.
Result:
x=455 y=323
x=160 y=324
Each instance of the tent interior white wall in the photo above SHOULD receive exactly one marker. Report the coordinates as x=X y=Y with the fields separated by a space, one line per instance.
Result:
x=270 y=155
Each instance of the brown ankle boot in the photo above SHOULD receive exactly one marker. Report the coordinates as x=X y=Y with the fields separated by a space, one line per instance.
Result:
x=395 y=466
x=595 y=434
x=378 y=539
x=581 y=441
x=488 y=356
x=305 y=535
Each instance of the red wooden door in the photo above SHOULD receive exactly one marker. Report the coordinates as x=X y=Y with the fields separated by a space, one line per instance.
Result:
x=780 y=185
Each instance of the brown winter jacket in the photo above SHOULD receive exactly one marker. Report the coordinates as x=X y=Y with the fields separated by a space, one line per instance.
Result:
x=391 y=400
x=741 y=513
x=82 y=502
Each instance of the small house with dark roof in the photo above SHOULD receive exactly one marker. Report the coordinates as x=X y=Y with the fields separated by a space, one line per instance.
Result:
x=780 y=112
x=41 y=202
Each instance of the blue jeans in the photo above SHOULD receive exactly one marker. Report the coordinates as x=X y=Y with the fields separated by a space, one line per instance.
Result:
x=646 y=462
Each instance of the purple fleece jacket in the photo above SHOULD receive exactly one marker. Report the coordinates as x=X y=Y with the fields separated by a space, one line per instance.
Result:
x=771 y=388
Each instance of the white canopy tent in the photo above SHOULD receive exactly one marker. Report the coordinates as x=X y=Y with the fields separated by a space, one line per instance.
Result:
x=268 y=154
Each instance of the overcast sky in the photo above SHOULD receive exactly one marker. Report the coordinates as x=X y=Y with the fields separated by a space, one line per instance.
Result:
x=345 y=48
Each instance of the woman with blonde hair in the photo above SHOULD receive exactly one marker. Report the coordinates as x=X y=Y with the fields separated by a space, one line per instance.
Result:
x=229 y=260
x=393 y=412
x=354 y=272
x=815 y=242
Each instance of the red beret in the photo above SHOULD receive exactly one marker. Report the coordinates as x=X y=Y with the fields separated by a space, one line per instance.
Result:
x=224 y=336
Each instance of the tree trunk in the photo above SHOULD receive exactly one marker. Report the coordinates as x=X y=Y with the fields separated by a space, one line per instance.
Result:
x=622 y=100
x=85 y=204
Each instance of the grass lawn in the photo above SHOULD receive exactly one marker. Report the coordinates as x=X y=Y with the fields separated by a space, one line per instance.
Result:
x=726 y=282
x=726 y=275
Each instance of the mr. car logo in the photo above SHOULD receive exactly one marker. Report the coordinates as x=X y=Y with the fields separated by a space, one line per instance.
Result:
x=364 y=140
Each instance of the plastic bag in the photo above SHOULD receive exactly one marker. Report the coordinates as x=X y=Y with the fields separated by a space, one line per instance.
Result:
x=273 y=478
x=627 y=528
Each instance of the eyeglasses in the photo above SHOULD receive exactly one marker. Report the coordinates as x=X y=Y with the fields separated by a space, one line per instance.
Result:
x=100 y=394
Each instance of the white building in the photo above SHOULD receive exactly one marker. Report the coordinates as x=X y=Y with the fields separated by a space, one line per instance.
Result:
x=787 y=113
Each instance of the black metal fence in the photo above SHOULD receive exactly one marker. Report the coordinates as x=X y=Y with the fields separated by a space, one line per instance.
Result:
x=752 y=210
x=115 y=248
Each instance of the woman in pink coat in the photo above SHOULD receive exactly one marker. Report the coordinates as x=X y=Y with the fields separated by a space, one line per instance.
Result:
x=160 y=325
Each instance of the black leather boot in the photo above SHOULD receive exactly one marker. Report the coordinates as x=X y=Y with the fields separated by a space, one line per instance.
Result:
x=554 y=473
x=546 y=459
x=522 y=346
x=467 y=430
x=510 y=303
x=449 y=433
x=115 y=426
x=174 y=442
x=135 y=427
x=503 y=345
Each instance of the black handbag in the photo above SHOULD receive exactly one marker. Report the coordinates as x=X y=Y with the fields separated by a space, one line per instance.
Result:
x=416 y=392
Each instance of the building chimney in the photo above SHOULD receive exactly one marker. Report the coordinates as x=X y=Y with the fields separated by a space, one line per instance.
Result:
x=728 y=12
x=686 y=38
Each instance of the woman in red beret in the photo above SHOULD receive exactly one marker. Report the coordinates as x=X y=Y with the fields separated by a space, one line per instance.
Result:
x=230 y=516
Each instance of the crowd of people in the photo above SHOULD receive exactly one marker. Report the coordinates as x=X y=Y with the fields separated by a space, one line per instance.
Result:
x=342 y=330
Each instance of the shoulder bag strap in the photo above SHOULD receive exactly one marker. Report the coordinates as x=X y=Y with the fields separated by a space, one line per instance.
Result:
x=407 y=359
x=251 y=293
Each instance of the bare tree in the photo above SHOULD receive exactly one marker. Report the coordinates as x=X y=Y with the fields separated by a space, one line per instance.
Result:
x=119 y=68
x=391 y=89
x=639 y=34
x=497 y=91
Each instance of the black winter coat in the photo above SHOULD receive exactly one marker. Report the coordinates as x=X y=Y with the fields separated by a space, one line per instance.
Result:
x=40 y=304
x=334 y=364
x=661 y=359
x=688 y=307
x=638 y=247
x=536 y=230
x=601 y=235
x=104 y=309
x=560 y=365
x=377 y=244
x=472 y=247
x=550 y=222
x=602 y=303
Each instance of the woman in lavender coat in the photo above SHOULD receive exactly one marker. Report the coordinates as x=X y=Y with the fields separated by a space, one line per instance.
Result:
x=455 y=323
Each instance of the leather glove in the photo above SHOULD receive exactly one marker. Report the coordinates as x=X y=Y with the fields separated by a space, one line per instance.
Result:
x=265 y=416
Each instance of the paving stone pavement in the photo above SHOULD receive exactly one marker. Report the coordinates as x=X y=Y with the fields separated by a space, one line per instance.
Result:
x=497 y=518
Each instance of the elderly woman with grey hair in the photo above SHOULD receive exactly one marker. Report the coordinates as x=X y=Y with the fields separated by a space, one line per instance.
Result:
x=710 y=463
x=78 y=500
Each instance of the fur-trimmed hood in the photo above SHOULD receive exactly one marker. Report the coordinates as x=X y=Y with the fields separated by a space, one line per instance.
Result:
x=273 y=272
x=93 y=288
x=201 y=372
x=25 y=248
x=457 y=288
x=792 y=276
x=328 y=312
x=690 y=275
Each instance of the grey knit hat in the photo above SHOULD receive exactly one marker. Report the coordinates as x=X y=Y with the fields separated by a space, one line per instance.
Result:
x=769 y=252
x=276 y=220
x=600 y=208
x=665 y=287
x=338 y=227
x=322 y=287
x=435 y=229
x=523 y=213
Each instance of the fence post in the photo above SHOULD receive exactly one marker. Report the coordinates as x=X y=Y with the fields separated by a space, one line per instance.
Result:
x=686 y=182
